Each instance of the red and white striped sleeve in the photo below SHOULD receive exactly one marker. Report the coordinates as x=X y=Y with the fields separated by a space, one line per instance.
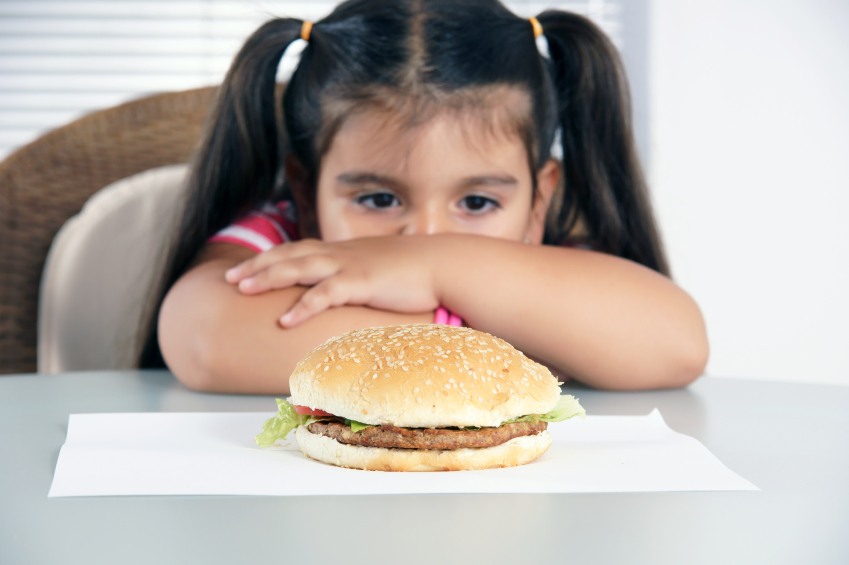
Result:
x=262 y=229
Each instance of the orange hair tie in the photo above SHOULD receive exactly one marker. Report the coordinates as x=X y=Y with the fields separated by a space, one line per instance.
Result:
x=537 y=27
x=306 y=28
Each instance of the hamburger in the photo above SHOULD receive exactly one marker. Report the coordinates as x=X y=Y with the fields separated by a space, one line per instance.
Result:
x=421 y=397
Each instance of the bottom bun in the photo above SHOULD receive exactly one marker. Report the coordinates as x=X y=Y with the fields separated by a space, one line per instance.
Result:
x=517 y=451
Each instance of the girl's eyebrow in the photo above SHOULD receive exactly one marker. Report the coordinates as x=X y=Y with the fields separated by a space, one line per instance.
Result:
x=355 y=178
x=490 y=180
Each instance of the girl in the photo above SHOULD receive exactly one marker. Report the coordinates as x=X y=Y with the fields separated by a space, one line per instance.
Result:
x=417 y=174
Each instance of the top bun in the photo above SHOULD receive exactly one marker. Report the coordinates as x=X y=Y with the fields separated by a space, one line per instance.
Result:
x=423 y=376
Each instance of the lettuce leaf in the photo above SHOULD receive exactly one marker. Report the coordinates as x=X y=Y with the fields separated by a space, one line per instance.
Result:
x=281 y=424
x=357 y=426
x=567 y=407
x=286 y=419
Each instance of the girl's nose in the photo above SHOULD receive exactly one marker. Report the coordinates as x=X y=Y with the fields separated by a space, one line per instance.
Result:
x=427 y=222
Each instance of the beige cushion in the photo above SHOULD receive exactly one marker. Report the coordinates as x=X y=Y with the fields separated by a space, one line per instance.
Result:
x=100 y=270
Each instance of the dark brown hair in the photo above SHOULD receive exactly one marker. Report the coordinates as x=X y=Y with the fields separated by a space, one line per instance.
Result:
x=422 y=54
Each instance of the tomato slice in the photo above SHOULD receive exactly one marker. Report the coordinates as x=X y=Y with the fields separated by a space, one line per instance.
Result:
x=310 y=411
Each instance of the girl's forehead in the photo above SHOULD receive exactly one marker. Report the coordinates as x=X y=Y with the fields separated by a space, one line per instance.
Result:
x=494 y=110
x=442 y=153
x=378 y=140
x=493 y=126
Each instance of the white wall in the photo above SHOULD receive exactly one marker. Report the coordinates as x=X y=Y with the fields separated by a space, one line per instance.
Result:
x=749 y=126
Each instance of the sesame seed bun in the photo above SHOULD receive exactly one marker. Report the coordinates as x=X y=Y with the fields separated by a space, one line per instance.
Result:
x=423 y=376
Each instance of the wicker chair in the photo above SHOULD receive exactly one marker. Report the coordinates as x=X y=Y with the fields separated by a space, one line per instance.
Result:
x=48 y=181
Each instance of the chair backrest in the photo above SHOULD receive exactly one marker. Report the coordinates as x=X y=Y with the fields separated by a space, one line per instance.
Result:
x=49 y=180
x=101 y=273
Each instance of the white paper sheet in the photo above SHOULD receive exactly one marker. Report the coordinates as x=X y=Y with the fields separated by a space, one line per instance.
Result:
x=214 y=454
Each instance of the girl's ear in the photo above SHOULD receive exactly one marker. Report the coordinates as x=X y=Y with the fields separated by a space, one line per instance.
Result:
x=547 y=180
x=299 y=184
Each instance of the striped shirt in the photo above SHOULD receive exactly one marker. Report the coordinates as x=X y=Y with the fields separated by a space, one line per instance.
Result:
x=263 y=228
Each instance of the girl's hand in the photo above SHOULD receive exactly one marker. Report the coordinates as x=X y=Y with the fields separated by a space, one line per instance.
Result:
x=389 y=273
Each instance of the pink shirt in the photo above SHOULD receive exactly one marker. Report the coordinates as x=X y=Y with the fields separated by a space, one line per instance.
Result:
x=262 y=229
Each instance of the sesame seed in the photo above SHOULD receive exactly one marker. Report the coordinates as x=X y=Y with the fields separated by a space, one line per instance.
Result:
x=419 y=400
x=327 y=367
x=450 y=380
x=338 y=367
x=447 y=385
x=415 y=390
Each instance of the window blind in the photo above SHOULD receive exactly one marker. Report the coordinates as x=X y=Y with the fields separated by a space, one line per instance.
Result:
x=62 y=59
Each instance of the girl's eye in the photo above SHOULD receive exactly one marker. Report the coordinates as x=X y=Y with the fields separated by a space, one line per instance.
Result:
x=476 y=203
x=378 y=200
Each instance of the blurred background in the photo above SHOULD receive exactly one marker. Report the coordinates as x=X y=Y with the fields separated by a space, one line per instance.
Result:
x=741 y=112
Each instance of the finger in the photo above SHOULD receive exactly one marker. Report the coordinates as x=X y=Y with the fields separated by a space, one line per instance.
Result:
x=263 y=260
x=307 y=271
x=328 y=293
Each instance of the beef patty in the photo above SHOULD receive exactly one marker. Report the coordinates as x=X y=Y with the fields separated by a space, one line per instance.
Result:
x=424 y=438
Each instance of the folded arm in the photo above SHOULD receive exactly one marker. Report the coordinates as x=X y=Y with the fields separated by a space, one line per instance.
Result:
x=603 y=320
x=216 y=339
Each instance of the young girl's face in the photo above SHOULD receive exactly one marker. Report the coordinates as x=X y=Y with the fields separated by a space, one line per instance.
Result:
x=447 y=175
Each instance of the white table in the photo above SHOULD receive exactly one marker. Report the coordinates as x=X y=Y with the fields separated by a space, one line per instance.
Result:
x=790 y=440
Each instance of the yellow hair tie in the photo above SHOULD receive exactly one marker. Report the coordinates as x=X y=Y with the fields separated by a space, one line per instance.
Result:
x=306 y=28
x=537 y=27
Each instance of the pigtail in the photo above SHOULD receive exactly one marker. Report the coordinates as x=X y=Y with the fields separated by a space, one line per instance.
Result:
x=238 y=161
x=239 y=158
x=604 y=183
